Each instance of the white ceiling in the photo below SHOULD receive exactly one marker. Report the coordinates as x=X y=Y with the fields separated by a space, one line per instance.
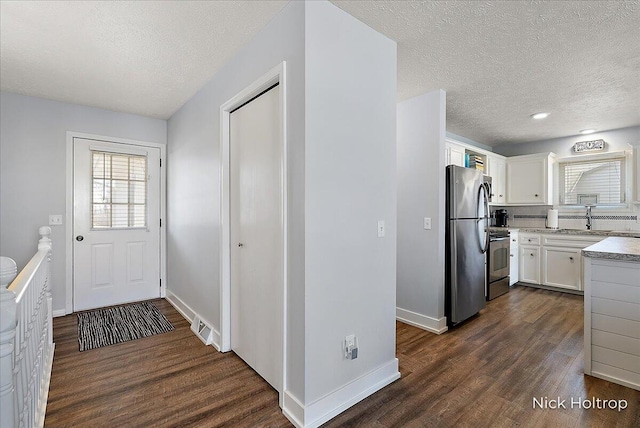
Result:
x=498 y=61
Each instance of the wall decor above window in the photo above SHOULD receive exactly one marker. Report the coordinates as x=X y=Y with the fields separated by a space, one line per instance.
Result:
x=589 y=146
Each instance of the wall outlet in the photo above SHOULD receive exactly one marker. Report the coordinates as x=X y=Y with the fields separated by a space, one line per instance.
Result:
x=380 y=228
x=427 y=223
x=351 y=347
x=55 y=219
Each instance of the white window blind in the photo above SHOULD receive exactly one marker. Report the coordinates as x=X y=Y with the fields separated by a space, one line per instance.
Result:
x=119 y=196
x=596 y=182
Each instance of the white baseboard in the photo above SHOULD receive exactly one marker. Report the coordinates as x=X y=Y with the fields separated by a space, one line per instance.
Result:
x=58 y=313
x=189 y=314
x=434 y=325
x=320 y=411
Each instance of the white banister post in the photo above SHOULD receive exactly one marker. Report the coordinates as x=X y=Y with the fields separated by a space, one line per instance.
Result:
x=8 y=322
x=45 y=243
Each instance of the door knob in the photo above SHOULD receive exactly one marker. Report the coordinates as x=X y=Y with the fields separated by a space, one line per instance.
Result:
x=79 y=238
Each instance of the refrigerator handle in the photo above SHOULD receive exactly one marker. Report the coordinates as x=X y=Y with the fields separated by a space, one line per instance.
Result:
x=482 y=191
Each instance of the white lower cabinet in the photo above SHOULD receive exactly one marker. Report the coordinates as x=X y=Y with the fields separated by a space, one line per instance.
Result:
x=561 y=267
x=529 y=266
x=553 y=259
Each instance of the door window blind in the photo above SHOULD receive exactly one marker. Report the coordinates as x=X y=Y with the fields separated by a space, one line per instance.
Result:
x=119 y=190
x=592 y=182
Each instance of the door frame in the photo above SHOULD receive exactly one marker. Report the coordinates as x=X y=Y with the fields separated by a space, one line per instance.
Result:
x=267 y=80
x=71 y=135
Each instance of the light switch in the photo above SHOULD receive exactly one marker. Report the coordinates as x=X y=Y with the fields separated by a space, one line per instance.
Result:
x=55 y=219
x=427 y=223
x=380 y=228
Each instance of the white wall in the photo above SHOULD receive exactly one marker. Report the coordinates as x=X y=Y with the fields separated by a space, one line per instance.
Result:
x=341 y=172
x=617 y=140
x=350 y=184
x=193 y=188
x=33 y=138
x=421 y=193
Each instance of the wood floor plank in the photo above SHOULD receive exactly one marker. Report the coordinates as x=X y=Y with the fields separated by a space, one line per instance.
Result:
x=484 y=373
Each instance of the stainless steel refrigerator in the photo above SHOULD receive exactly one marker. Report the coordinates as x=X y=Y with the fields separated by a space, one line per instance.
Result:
x=466 y=243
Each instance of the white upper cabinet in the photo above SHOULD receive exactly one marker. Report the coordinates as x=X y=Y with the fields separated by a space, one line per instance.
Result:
x=455 y=154
x=497 y=168
x=530 y=179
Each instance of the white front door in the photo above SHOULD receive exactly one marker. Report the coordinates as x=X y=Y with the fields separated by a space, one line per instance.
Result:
x=116 y=223
x=256 y=235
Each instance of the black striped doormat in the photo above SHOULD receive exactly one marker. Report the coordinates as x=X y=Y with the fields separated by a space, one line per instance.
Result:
x=108 y=326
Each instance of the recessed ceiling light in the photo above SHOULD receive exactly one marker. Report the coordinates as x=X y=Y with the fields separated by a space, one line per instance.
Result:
x=587 y=131
x=539 y=115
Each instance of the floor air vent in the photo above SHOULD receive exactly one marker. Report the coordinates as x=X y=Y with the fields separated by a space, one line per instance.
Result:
x=202 y=330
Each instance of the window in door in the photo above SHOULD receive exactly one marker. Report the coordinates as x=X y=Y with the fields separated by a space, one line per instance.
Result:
x=593 y=182
x=119 y=196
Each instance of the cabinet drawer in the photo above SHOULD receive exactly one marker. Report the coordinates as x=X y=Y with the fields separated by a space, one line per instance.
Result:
x=527 y=239
x=570 y=241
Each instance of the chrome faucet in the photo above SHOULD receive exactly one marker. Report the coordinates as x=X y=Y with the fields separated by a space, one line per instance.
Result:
x=589 y=216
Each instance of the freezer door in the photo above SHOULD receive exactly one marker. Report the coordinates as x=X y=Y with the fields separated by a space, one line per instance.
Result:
x=467 y=270
x=462 y=192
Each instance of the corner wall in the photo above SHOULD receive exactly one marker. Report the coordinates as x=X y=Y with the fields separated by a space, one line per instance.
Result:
x=350 y=185
x=342 y=180
x=33 y=171
x=421 y=193
x=194 y=185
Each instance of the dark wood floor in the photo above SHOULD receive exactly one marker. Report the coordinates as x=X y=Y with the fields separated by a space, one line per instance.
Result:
x=482 y=374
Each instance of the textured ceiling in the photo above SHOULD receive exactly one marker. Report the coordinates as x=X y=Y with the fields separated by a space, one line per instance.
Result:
x=498 y=61
x=142 y=57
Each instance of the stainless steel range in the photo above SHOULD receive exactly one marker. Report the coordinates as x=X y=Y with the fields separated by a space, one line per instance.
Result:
x=498 y=264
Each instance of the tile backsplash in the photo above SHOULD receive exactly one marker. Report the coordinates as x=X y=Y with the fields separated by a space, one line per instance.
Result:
x=535 y=216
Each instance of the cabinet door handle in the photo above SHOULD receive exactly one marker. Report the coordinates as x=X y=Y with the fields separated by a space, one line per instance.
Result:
x=531 y=254
x=510 y=255
x=536 y=195
x=571 y=258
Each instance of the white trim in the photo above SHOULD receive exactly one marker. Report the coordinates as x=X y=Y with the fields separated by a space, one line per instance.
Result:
x=591 y=157
x=327 y=407
x=619 y=381
x=434 y=325
x=58 y=313
x=180 y=306
x=69 y=206
x=189 y=314
x=273 y=76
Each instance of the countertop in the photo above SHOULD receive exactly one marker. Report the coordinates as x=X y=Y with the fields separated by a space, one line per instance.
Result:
x=582 y=232
x=615 y=248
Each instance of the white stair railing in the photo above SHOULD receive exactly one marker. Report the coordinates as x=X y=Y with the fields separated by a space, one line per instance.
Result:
x=26 y=341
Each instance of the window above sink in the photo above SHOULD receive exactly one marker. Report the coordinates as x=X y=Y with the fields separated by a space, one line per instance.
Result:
x=598 y=180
